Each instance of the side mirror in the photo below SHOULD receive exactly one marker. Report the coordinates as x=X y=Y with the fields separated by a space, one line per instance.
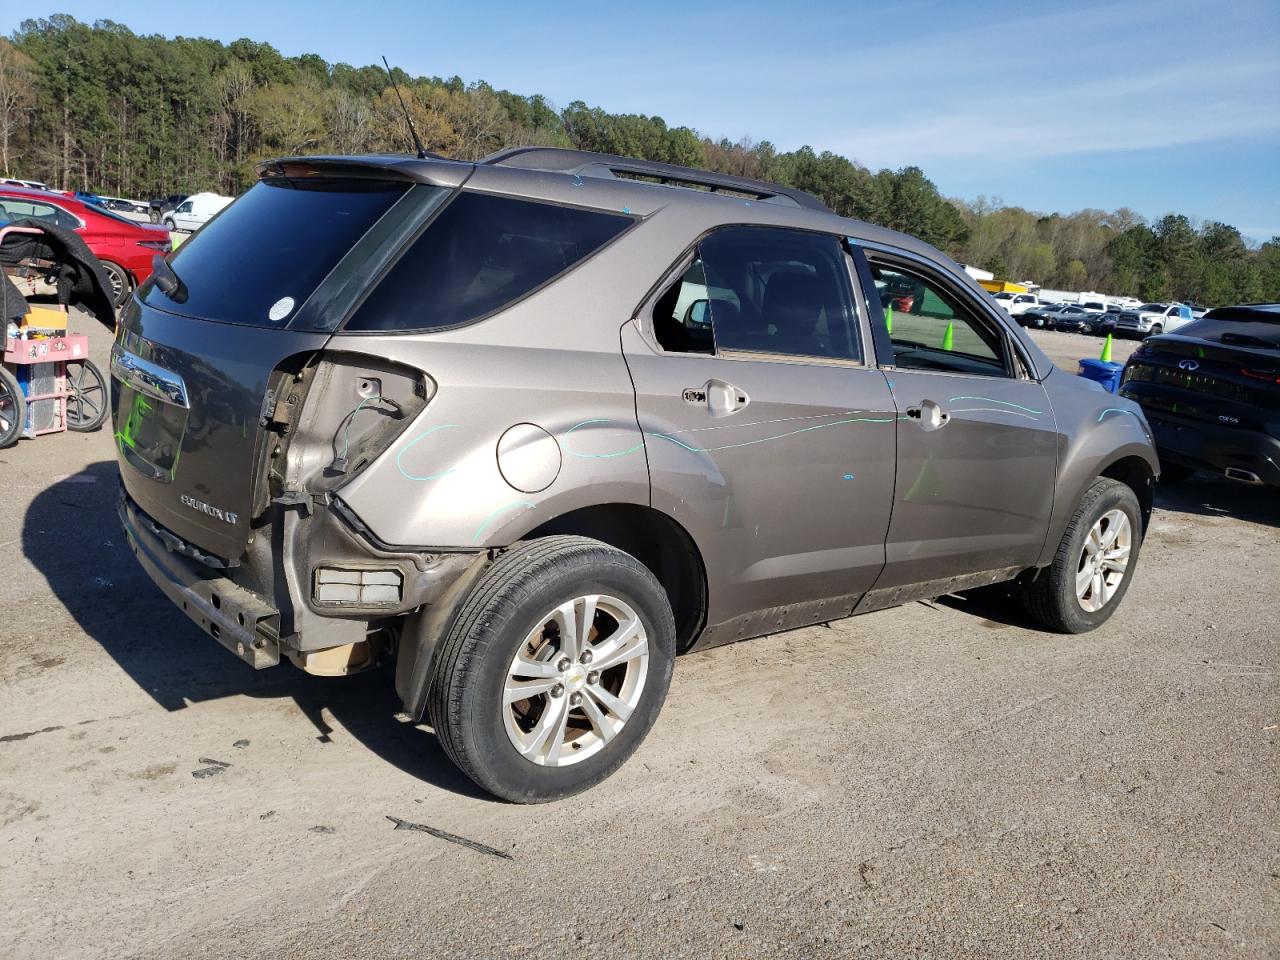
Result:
x=698 y=314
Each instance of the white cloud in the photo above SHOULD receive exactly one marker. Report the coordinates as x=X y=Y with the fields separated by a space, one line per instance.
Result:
x=1168 y=107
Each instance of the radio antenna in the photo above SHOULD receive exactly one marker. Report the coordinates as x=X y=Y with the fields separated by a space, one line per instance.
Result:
x=408 y=118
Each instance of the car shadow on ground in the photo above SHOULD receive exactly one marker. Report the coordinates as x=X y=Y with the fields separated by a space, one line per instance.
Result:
x=72 y=535
x=1204 y=495
x=1214 y=496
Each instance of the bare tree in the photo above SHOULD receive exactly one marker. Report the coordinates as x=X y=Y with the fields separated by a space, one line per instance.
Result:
x=17 y=95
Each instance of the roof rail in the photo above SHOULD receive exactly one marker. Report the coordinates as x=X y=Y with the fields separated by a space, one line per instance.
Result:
x=587 y=164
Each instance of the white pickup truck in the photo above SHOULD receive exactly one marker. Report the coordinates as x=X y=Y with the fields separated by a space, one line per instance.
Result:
x=1154 y=318
x=1017 y=303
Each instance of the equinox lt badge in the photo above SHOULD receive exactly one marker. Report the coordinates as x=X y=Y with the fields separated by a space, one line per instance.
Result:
x=226 y=516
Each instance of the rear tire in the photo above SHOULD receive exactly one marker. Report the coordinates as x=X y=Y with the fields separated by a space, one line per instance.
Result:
x=13 y=409
x=1054 y=597
x=522 y=619
x=121 y=285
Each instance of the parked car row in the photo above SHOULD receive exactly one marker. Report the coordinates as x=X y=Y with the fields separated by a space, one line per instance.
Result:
x=124 y=247
x=1100 y=319
x=177 y=211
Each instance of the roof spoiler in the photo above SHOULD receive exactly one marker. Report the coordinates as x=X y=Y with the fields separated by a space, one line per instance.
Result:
x=587 y=164
x=436 y=172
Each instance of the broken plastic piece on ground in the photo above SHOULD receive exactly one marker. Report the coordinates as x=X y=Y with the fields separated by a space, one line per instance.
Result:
x=451 y=837
x=212 y=768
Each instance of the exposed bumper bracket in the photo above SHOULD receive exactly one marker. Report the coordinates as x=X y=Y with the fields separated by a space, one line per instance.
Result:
x=237 y=618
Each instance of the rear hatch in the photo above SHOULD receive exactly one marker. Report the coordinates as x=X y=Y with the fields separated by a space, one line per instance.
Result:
x=1229 y=375
x=201 y=349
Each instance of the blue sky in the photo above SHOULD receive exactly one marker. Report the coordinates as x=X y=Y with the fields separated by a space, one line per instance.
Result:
x=1159 y=105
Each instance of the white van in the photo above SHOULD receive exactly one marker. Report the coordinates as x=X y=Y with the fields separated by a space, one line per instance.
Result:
x=195 y=211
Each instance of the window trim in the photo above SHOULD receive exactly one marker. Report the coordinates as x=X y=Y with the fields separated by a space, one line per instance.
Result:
x=341 y=327
x=642 y=315
x=1019 y=365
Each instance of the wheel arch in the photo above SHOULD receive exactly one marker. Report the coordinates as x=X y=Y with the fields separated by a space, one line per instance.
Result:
x=656 y=540
x=1134 y=472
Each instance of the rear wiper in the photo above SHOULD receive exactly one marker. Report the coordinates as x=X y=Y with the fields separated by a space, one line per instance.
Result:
x=170 y=283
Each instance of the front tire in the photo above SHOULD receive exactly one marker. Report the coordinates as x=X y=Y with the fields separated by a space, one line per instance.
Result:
x=554 y=669
x=1094 y=563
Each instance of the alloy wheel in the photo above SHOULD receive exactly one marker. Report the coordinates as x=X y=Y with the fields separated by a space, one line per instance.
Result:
x=1104 y=560
x=118 y=283
x=575 y=680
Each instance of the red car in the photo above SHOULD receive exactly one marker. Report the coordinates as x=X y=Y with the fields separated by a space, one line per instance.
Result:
x=124 y=247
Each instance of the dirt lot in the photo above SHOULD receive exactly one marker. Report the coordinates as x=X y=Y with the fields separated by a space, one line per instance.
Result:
x=937 y=780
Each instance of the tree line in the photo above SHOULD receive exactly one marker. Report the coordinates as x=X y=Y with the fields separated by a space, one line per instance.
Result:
x=98 y=107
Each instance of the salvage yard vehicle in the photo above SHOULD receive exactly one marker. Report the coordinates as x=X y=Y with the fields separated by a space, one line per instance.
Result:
x=1072 y=318
x=531 y=426
x=160 y=207
x=1016 y=304
x=1211 y=393
x=125 y=248
x=195 y=211
x=1153 y=319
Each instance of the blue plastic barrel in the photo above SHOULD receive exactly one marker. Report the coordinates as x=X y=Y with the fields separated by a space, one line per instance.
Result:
x=1104 y=372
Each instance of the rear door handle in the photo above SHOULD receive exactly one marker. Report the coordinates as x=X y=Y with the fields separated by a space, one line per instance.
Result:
x=719 y=397
x=930 y=414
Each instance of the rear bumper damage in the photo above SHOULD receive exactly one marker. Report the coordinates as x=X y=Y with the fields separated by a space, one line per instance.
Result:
x=291 y=592
x=242 y=621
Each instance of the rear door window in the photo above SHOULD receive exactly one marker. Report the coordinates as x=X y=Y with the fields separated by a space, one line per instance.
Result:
x=763 y=291
x=480 y=254
x=260 y=261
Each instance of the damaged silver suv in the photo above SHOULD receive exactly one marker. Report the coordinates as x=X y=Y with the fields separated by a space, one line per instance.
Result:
x=534 y=425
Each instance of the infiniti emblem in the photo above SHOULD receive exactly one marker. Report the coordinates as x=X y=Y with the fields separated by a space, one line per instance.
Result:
x=1188 y=365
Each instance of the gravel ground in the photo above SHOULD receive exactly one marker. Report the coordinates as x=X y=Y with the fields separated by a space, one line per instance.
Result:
x=939 y=780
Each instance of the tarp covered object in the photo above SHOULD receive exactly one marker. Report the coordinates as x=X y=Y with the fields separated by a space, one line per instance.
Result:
x=77 y=274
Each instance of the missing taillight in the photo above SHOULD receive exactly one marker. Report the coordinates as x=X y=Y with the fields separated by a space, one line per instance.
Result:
x=353 y=407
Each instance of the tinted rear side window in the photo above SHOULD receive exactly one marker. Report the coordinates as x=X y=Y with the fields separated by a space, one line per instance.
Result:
x=481 y=253
x=264 y=255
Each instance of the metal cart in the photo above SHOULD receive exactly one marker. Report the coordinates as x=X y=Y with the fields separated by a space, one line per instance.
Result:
x=48 y=384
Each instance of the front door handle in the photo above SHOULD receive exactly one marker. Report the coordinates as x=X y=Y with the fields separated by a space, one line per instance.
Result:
x=930 y=414
x=720 y=398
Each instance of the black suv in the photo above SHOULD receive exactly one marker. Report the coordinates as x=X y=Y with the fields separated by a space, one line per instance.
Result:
x=1211 y=393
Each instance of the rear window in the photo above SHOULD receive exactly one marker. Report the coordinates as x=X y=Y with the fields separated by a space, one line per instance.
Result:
x=480 y=254
x=264 y=255
x=1261 y=333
